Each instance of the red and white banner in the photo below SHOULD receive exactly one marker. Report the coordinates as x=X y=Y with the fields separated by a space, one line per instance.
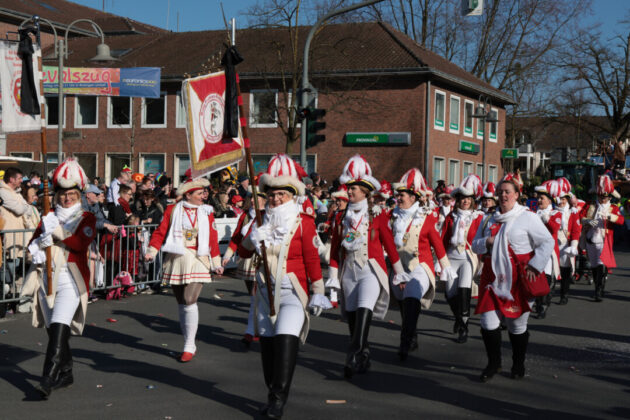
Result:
x=204 y=102
x=12 y=119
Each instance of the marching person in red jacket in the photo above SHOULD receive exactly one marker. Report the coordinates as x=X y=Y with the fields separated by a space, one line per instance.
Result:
x=357 y=259
x=458 y=232
x=598 y=220
x=68 y=230
x=413 y=227
x=189 y=238
x=246 y=269
x=489 y=199
x=336 y=218
x=515 y=247
x=568 y=238
x=547 y=193
x=290 y=237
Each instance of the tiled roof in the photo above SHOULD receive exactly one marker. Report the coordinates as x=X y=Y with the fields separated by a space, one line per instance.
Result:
x=339 y=49
x=62 y=13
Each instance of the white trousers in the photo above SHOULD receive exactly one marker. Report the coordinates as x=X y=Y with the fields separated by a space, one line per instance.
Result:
x=415 y=288
x=463 y=267
x=290 y=317
x=361 y=287
x=594 y=252
x=566 y=260
x=492 y=320
x=66 y=301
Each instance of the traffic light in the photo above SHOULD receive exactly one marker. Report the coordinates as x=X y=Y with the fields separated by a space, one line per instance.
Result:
x=310 y=116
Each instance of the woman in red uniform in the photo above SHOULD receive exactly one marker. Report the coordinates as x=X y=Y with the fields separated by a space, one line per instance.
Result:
x=68 y=230
x=246 y=270
x=189 y=238
x=547 y=193
x=291 y=243
x=513 y=237
x=335 y=218
x=357 y=259
x=568 y=238
x=458 y=232
x=598 y=222
x=415 y=236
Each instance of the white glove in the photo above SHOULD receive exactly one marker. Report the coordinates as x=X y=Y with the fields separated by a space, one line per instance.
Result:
x=258 y=235
x=333 y=283
x=401 y=278
x=318 y=303
x=49 y=222
x=45 y=241
x=448 y=273
x=594 y=222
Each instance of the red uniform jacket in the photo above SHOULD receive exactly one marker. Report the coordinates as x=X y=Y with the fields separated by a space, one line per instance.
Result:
x=160 y=234
x=448 y=230
x=554 y=224
x=77 y=244
x=379 y=237
x=430 y=238
x=302 y=258
x=607 y=256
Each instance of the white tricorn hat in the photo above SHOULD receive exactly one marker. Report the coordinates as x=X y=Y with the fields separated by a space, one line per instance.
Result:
x=412 y=181
x=358 y=172
x=283 y=173
x=191 y=185
x=70 y=175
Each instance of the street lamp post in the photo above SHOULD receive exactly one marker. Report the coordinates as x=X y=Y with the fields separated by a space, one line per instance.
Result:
x=485 y=115
x=61 y=52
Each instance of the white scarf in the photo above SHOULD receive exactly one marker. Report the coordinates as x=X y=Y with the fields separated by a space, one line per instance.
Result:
x=501 y=265
x=67 y=214
x=566 y=214
x=444 y=211
x=175 y=239
x=544 y=214
x=252 y=218
x=356 y=216
x=403 y=218
x=598 y=234
x=462 y=219
x=277 y=222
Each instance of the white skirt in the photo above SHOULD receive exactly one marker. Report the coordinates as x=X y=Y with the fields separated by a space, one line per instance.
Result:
x=185 y=269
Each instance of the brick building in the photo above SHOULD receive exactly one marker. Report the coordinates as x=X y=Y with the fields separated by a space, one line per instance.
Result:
x=371 y=79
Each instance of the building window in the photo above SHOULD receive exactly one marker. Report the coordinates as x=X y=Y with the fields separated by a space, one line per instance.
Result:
x=480 y=170
x=53 y=158
x=28 y=155
x=481 y=125
x=493 y=126
x=119 y=112
x=468 y=118
x=440 y=99
x=438 y=170
x=453 y=124
x=263 y=105
x=180 y=114
x=52 y=111
x=492 y=173
x=453 y=172
x=180 y=166
x=88 y=162
x=114 y=163
x=467 y=170
x=152 y=163
x=86 y=112
x=154 y=112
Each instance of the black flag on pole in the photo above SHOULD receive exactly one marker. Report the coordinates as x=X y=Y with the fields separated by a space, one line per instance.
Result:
x=29 y=100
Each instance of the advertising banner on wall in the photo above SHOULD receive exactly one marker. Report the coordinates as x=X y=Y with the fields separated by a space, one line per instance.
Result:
x=12 y=119
x=204 y=101
x=137 y=81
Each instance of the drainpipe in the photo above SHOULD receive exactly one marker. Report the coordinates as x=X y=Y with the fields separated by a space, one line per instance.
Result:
x=426 y=132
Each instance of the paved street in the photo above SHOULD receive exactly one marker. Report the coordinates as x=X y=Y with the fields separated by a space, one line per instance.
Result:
x=578 y=365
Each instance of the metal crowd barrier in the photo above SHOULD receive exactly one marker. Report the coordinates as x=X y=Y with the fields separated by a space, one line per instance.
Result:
x=109 y=255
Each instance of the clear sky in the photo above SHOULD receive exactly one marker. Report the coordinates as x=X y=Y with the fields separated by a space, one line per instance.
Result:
x=197 y=15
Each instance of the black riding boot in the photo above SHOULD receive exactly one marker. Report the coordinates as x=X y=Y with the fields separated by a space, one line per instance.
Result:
x=453 y=303
x=463 y=295
x=58 y=336
x=411 y=309
x=285 y=349
x=358 y=357
x=519 y=349
x=492 y=342
x=266 y=355
x=65 y=373
x=598 y=275
x=565 y=284
x=352 y=318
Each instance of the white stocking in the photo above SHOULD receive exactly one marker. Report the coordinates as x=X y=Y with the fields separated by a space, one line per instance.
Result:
x=191 y=322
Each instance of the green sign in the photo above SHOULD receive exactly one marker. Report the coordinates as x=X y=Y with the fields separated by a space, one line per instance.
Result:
x=468 y=147
x=377 y=139
x=509 y=153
